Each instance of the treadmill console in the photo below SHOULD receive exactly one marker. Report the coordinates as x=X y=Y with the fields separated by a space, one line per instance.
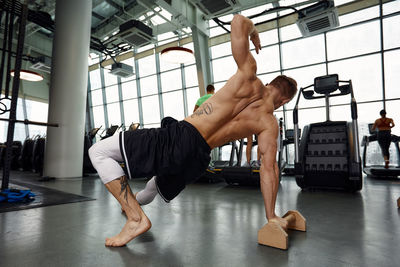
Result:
x=326 y=84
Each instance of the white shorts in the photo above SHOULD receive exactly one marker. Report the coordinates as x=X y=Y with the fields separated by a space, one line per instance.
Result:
x=105 y=156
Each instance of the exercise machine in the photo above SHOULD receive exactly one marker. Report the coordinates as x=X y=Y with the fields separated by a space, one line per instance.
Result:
x=376 y=170
x=236 y=174
x=88 y=142
x=328 y=153
x=288 y=169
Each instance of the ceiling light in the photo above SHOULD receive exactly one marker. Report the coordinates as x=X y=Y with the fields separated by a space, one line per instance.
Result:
x=177 y=54
x=28 y=75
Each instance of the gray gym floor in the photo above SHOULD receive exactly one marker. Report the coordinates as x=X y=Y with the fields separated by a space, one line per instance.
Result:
x=207 y=225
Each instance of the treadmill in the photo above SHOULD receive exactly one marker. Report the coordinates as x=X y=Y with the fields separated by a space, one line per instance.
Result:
x=236 y=174
x=213 y=172
x=288 y=168
x=328 y=153
x=376 y=170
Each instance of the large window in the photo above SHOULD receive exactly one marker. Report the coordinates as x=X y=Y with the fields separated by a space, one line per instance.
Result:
x=173 y=104
x=391 y=32
x=267 y=59
x=171 y=80
x=148 y=85
x=98 y=116
x=97 y=97
x=112 y=94
x=223 y=68
x=95 y=81
x=392 y=71
x=353 y=50
x=353 y=41
x=36 y=111
x=193 y=95
x=151 y=110
x=147 y=65
x=298 y=53
x=191 y=76
x=129 y=90
x=131 y=111
x=114 y=114
x=365 y=73
x=109 y=79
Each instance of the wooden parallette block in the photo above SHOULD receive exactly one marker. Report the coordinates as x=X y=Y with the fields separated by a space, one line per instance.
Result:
x=273 y=235
x=398 y=202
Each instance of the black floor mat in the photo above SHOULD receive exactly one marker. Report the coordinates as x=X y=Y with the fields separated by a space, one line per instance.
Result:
x=43 y=197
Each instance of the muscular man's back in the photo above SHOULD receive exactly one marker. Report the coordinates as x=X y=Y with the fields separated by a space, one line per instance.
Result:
x=242 y=107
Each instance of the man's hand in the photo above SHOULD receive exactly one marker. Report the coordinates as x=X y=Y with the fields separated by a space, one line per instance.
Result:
x=255 y=38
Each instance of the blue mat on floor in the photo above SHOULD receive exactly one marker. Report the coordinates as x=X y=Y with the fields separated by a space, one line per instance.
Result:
x=43 y=197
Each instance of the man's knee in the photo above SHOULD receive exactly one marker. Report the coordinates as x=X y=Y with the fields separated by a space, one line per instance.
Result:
x=94 y=153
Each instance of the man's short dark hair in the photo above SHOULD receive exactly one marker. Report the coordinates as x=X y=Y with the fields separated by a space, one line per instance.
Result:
x=383 y=112
x=287 y=85
x=210 y=88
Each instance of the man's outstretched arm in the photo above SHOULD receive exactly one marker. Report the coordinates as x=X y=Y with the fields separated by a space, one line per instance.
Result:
x=241 y=29
x=269 y=180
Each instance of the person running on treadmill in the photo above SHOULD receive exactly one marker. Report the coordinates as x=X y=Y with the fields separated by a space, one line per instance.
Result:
x=384 y=126
x=179 y=152
x=201 y=100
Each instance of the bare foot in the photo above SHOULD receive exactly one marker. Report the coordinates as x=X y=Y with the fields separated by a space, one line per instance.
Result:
x=130 y=230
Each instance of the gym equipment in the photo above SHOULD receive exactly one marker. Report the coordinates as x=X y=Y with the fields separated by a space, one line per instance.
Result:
x=288 y=169
x=379 y=170
x=236 y=174
x=25 y=159
x=398 y=202
x=38 y=155
x=110 y=131
x=328 y=155
x=15 y=87
x=273 y=235
x=88 y=142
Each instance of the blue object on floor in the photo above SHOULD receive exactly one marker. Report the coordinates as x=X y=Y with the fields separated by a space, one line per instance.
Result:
x=16 y=195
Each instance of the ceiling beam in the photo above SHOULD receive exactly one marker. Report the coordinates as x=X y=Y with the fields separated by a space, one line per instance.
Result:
x=100 y=17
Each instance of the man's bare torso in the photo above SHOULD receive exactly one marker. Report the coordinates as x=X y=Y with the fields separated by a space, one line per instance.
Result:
x=241 y=108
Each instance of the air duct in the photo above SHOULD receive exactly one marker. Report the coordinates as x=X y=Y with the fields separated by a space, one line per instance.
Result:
x=318 y=18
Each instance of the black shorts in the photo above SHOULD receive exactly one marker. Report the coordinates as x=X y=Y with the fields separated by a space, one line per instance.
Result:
x=177 y=154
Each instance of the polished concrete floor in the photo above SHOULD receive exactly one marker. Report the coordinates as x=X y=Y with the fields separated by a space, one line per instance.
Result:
x=207 y=225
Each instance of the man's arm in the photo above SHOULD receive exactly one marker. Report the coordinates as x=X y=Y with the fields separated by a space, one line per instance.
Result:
x=241 y=29
x=269 y=178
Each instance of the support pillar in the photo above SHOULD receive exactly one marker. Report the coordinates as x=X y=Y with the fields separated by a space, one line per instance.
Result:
x=68 y=89
x=202 y=55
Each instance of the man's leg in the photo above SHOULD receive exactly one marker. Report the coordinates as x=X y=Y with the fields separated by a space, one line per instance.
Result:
x=137 y=222
x=105 y=156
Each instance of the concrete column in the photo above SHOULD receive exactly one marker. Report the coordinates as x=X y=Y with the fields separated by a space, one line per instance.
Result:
x=202 y=55
x=68 y=89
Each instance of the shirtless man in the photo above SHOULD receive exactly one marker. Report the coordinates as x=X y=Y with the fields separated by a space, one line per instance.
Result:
x=179 y=152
